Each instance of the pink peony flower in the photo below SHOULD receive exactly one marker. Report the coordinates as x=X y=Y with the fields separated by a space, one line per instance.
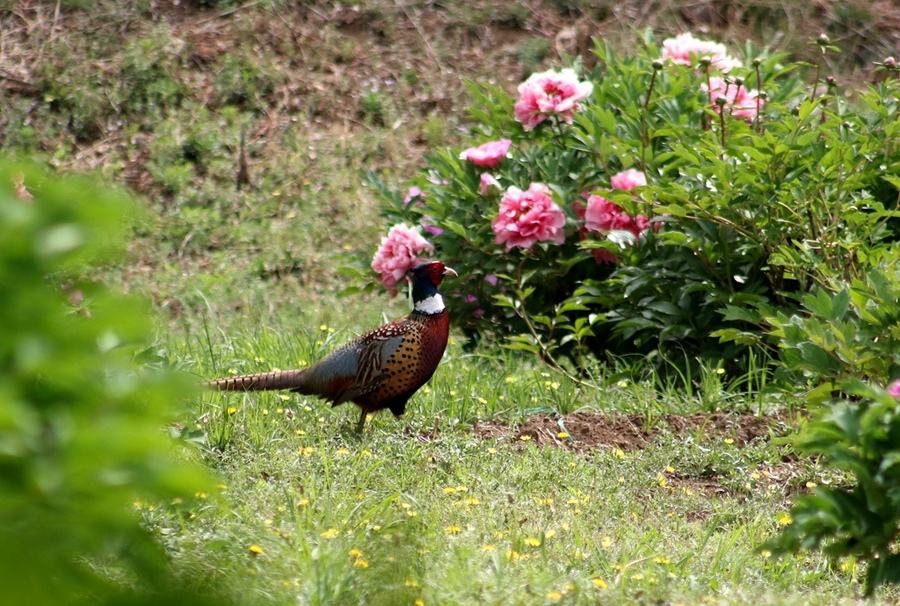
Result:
x=488 y=155
x=489 y=185
x=548 y=94
x=398 y=254
x=894 y=389
x=604 y=216
x=679 y=50
x=601 y=255
x=628 y=179
x=643 y=223
x=740 y=101
x=527 y=217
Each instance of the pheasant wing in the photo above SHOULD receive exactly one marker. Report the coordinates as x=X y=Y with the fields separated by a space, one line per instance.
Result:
x=356 y=368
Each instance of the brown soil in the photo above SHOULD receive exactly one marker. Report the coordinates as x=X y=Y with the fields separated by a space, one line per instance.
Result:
x=585 y=431
x=592 y=431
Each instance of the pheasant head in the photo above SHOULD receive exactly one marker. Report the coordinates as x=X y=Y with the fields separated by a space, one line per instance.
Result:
x=425 y=281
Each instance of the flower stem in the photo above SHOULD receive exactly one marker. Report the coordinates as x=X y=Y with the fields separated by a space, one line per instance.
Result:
x=712 y=101
x=645 y=141
x=545 y=356
x=757 y=126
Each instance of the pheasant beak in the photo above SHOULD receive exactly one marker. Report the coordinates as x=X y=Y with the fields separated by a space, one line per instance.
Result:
x=449 y=271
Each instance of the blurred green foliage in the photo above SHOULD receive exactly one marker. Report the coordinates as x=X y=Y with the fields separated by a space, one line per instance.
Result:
x=847 y=344
x=81 y=422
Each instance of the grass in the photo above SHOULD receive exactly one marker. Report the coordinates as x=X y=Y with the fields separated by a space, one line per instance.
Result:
x=308 y=512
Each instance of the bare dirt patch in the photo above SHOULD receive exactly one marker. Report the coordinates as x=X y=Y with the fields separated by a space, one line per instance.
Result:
x=585 y=431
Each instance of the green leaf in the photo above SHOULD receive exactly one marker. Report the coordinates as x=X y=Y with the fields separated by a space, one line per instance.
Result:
x=816 y=358
x=733 y=313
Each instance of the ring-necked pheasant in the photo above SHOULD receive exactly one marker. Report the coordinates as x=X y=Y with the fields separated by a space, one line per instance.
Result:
x=382 y=368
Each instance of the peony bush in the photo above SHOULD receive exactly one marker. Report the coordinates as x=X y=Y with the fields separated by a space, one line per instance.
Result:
x=696 y=208
x=664 y=206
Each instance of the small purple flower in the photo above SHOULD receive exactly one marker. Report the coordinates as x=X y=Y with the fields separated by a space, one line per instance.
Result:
x=414 y=194
x=471 y=298
x=434 y=230
x=491 y=279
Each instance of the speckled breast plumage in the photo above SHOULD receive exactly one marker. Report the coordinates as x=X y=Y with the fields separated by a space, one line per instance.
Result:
x=411 y=365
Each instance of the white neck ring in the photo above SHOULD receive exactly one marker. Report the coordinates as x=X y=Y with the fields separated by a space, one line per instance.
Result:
x=430 y=305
